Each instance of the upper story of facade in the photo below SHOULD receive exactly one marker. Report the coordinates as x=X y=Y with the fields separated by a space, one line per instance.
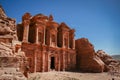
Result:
x=41 y=29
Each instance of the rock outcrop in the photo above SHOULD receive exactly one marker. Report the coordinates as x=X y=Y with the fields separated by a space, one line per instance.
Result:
x=11 y=56
x=5 y=50
x=107 y=59
x=7 y=26
x=2 y=12
x=10 y=59
x=86 y=58
x=11 y=63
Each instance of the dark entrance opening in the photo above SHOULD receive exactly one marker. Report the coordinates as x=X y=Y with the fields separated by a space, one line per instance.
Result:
x=52 y=65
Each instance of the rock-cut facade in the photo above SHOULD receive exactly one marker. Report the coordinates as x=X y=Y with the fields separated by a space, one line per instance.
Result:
x=47 y=44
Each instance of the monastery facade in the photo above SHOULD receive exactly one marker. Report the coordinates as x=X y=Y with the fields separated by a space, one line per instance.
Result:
x=47 y=44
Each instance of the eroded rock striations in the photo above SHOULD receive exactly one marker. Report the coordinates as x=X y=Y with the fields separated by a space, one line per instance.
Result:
x=86 y=58
x=2 y=12
x=10 y=60
x=7 y=27
x=107 y=59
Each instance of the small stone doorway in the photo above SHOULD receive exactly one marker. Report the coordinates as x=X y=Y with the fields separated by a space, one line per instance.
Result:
x=52 y=64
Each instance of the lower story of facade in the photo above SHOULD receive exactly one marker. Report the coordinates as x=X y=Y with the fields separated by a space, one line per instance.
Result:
x=42 y=58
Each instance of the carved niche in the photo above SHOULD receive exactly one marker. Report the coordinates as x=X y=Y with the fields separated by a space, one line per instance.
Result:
x=53 y=37
x=41 y=34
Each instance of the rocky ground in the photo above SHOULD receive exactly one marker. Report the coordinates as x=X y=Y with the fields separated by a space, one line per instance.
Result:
x=117 y=57
x=53 y=75
x=11 y=74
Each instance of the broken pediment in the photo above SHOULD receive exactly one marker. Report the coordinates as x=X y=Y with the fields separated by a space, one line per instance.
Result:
x=64 y=26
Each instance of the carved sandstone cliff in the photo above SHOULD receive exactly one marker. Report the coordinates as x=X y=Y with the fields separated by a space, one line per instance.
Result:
x=86 y=58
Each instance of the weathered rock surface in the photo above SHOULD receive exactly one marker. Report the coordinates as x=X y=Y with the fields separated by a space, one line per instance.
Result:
x=7 y=25
x=86 y=58
x=11 y=61
x=2 y=12
x=107 y=59
x=5 y=50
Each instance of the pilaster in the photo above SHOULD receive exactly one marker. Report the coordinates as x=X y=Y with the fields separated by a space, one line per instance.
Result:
x=50 y=40
x=43 y=61
x=63 y=61
x=73 y=43
x=63 y=43
x=36 y=41
x=68 y=41
x=35 y=61
x=44 y=35
x=48 y=62
x=59 y=62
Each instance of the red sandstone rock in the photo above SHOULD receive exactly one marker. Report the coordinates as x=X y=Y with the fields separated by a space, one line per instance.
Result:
x=86 y=58
x=7 y=26
x=45 y=39
x=2 y=12
x=47 y=44
x=5 y=50
x=9 y=59
x=107 y=59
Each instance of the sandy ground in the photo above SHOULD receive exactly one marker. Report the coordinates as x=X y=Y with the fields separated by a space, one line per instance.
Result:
x=53 y=75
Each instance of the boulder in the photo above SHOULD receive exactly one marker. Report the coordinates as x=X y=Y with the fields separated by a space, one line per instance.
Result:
x=86 y=58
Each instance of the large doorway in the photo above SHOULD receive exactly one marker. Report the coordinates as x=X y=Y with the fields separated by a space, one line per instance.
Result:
x=52 y=65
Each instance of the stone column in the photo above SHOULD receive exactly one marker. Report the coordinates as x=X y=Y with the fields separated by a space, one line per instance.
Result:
x=63 y=43
x=73 y=43
x=35 y=57
x=43 y=61
x=48 y=62
x=36 y=35
x=50 y=39
x=69 y=61
x=59 y=62
x=56 y=40
x=26 y=33
x=44 y=35
x=68 y=41
x=63 y=61
x=56 y=62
